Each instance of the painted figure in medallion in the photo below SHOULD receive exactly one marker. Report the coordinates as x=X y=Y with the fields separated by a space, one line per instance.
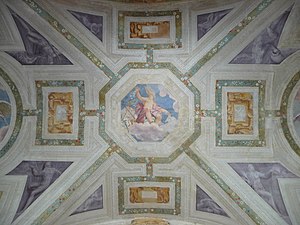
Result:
x=149 y=112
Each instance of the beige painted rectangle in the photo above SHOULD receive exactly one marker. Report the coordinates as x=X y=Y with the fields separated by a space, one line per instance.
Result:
x=60 y=112
x=149 y=194
x=150 y=30
x=240 y=117
x=240 y=113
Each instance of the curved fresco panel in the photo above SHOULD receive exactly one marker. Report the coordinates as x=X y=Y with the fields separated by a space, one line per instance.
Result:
x=149 y=112
x=5 y=112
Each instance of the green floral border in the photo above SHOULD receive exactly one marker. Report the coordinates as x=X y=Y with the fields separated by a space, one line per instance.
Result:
x=121 y=31
x=40 y=84
x=121 y=195
x=260 y=84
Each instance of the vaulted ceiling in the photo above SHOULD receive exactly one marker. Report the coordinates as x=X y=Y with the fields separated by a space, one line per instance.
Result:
x=183 y=111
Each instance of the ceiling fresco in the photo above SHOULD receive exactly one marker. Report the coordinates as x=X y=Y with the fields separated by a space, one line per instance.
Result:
x=149 y=112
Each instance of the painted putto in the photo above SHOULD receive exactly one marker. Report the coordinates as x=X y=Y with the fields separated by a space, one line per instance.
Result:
x=149 y=112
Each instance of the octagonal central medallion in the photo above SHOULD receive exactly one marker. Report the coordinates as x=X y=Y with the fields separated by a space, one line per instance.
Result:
x=149 y=112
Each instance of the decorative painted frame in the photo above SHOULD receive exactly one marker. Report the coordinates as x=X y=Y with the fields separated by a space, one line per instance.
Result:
x=177 y=40
x=253 y=141
x=74 y=139
x=175 y=181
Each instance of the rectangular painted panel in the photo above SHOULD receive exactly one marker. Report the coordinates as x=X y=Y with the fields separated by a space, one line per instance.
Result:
x=240 y=113
x=149 y=194
x=60 y=112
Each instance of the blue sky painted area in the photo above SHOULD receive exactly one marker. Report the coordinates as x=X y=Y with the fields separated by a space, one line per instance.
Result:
x=163 y=101
x=4 y=97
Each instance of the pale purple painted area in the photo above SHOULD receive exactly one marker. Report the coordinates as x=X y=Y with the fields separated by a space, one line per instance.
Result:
x=40 y=175
x=205 y=203
x=207 y=21
x=92 y=22
x=38 y=50
x=263 y=179
x=94 y=202
x=264 y=48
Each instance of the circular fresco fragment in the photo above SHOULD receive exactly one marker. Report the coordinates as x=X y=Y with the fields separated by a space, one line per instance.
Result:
x=149 y=112
x=5 y=112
